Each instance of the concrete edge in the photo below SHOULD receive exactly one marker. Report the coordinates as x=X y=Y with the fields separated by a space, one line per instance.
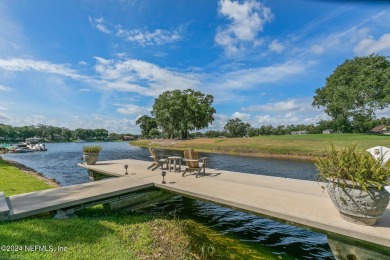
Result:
x=4 y=207
x=74 y=203
x=288 y=219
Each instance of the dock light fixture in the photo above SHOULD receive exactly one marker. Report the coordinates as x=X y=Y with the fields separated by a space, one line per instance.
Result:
x=163 y=173
x=126 y=166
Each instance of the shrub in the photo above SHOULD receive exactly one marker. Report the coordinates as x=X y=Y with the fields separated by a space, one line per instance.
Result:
x=355 y=165
x=92 y=148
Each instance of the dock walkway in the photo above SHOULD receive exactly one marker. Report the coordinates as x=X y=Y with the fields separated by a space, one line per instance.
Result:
x=297 y=202
x=33 y=203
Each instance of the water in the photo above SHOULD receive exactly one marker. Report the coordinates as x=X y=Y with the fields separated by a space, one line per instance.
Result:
x=59 y=162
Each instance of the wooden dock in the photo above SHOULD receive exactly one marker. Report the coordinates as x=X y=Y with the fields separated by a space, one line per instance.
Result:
x=296 y=202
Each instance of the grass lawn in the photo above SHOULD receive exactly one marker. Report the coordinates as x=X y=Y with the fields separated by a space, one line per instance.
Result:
x=292 y=145
x=14 y=181
x=98 y=233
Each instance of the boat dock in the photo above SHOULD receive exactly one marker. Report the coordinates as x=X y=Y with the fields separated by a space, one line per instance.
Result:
x=296 y=202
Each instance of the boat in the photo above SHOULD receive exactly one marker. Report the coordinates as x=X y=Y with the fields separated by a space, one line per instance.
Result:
x=34 y=144
x=79 y=140
x=20 y=150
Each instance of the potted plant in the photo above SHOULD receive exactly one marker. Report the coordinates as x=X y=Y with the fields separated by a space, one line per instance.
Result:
x=91 y=153
x=355 y=183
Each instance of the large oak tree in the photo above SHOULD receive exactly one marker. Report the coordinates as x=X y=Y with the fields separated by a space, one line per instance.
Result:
x=355 y=90
x=182 y=111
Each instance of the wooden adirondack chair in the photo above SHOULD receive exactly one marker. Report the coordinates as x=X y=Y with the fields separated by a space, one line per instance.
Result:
x=156 y=162
x=193 y=163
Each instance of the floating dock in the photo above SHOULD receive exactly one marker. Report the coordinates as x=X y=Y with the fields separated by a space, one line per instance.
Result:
x=296 y=202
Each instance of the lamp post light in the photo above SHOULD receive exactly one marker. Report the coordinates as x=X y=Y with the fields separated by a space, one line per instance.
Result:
x=126 y=166
x=163 y=173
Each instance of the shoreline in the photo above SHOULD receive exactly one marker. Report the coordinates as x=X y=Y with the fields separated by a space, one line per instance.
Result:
x=32 y=172
x=170 y=145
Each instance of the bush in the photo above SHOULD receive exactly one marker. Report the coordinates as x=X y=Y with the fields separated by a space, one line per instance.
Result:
x=92 y=148
x=355 y=165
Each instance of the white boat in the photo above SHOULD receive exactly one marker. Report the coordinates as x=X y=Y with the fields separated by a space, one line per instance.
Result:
x=79 y=140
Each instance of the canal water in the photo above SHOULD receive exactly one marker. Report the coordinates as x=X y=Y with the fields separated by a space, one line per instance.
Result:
x=285 y=241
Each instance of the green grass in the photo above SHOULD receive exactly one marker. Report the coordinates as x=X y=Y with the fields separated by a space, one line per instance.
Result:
x=292 y=145
x=98 y=233
x=101 y=234
x=14 y=181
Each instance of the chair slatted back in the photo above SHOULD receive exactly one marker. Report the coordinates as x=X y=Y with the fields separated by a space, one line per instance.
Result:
x=191 y=155
x=153 y=153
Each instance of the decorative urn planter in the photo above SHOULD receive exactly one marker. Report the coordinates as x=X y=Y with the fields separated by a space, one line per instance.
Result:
x=90 y=158
x=355 y=183
x=91 y=153
x=356 y=205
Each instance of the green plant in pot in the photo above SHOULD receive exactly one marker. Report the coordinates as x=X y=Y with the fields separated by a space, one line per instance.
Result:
x=355 y=183
x=91 y=153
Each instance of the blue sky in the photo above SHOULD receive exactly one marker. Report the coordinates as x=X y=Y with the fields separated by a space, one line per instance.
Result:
x=101 y=64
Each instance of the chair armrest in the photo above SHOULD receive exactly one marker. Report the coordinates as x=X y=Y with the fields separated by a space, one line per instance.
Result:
x=204 y=158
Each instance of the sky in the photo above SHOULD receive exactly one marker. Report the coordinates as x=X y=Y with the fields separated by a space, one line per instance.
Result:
x=101 y=63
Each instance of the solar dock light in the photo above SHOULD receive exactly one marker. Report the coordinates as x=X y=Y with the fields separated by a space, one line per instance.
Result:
x=163 y=174
x=126 y=166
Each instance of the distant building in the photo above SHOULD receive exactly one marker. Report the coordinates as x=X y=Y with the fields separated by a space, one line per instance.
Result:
x=299 y=132
x=328 y=131
x=381 y=129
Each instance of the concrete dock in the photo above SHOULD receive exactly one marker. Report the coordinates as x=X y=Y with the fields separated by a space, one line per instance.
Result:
x=29 y=204
x=297 y=202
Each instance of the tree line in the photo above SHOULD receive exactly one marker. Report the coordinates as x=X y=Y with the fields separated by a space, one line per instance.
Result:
x=237 y=128
x=53 y=133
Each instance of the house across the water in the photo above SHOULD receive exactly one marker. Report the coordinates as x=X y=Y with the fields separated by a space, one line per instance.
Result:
x=381 y=129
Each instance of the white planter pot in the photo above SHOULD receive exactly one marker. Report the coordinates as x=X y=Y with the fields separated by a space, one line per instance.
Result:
x=357 y=205
x=90 y=158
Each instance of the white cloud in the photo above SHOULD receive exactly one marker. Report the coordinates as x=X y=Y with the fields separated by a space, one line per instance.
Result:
x=98 y=23
x=41 y=66
x=370 y=45
x=253 y=77
x=84 y=90
x=246 y=21
x=243 y=116
x=282 y=106
x=286 y=112
x=5 y=88
x=142 y=37
x=142 y=77
x=132 y=110
x=83 y=63
x=276 y=46
x=148 y=38
x=317 y=49
x=219 y=122
x=4 y=117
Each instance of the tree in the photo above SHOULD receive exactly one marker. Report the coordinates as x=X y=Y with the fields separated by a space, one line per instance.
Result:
x=154 y=133
x=355 y=90
x=183 y=111
x=146 y=123
x=237 y=128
